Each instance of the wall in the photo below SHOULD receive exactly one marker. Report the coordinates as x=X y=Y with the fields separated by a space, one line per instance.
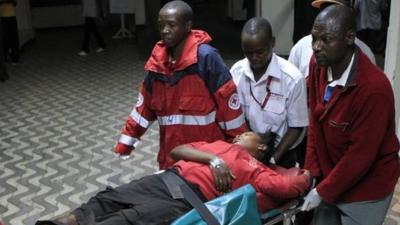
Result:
x=57 y=16
x=280 y=14
x=140 y=16
x=258 y=7
x=71 y=15
x=24 y=20
x=392 y=59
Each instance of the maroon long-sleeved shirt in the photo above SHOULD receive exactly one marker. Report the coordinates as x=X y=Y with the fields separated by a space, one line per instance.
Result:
x=352 y=143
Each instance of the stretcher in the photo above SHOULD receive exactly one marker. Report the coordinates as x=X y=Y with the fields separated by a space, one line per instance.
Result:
x=239 y=207
x=283 y=214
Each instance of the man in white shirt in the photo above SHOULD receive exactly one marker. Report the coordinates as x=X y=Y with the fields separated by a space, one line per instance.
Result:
x=271 y=90
x=301 y=52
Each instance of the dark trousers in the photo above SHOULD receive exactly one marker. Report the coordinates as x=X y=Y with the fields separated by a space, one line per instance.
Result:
x=90 y=27
x=3 y=70
x=142 y=202
x=10 y=38
x=304 y=15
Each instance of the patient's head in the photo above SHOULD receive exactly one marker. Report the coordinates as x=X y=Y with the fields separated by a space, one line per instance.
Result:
x=258 y=145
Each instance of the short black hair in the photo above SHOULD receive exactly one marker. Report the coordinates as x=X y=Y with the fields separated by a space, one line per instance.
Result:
x=341 y=18
x=184 y=9
x=256 y=25
x=268 y=139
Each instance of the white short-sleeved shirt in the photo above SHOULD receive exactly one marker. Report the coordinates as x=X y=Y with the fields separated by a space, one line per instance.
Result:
x=287 y=102
x=301 y=53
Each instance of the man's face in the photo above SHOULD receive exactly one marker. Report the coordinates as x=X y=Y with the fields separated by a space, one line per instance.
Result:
x=173 y=29
x=328 y=43
x=258 y=49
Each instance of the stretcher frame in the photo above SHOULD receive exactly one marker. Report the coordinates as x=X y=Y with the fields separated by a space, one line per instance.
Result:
x=283 y=214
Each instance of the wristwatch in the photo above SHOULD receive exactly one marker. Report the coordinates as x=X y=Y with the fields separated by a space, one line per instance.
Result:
x=216 y=162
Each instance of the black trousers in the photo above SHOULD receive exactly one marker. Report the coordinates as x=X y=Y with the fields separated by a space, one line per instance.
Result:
x=304 y=15
x=142 y=202
x=10 y=38
x=90 y=27
x=3 y=71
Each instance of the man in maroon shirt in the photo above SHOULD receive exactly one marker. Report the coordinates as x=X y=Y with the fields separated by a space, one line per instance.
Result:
x=352 y=145
x=208 y=172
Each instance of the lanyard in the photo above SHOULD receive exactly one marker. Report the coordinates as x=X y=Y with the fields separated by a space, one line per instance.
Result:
x=262 y=105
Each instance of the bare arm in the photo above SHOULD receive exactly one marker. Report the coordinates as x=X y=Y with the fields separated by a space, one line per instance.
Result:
x=187 y=153
x=291 y=136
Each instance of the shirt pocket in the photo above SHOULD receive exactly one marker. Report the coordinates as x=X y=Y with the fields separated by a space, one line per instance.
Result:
x=336 y=133
x=274 y=112
x=340 y=126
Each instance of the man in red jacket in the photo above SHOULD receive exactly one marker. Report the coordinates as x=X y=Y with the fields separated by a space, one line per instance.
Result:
x=188 y=89
x=352 y=146
x=207 y=169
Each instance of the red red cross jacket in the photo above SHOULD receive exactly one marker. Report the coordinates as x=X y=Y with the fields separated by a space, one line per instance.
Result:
x=193 y=99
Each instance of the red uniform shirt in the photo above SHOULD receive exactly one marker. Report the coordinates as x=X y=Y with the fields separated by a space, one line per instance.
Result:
x=352 y=143
x=193 y=99
x=272 y=188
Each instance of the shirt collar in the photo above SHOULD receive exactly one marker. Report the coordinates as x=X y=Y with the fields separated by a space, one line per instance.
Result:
x=272 y=70
x=343 y=78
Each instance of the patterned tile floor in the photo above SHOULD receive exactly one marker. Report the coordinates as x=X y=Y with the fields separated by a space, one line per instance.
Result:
x=60 y=115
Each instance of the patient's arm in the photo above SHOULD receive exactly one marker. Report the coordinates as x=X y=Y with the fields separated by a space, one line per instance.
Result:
x=222 y=175
x=188 y=153
x=283 y=186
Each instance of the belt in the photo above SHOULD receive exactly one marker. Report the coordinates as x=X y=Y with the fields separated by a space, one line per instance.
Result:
x=179 y=189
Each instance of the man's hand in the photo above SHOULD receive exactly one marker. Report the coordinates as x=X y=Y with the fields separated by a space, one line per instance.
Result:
x=123 y=151
x=307 y=172
x=311 y=201
x=122 y=156
x=222 y=175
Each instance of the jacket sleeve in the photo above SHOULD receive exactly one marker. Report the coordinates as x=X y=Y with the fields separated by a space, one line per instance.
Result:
x=311 y=161
x=366 y=135
x=137 y=123
x=230 y=117
x=219 y=82
x=281 y=186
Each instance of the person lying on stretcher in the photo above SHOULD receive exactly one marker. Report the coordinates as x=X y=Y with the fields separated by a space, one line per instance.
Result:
x=210 y=170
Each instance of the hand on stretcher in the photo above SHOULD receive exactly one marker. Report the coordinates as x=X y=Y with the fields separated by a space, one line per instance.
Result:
x=311 y=201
